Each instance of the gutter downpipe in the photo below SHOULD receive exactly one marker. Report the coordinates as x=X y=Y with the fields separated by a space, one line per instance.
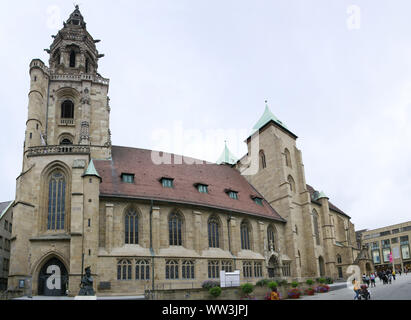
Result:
x=151 y=244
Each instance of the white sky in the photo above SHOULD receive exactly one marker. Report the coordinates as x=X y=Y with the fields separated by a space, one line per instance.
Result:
x=338 y=80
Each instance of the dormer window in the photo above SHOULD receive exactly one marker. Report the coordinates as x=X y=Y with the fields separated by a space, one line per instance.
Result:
x=258 y=201
x=167 y=182
x=202 y=188
x=127 y=177
x=232 y=194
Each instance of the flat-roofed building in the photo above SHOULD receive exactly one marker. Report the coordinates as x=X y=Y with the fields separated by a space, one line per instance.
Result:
x=391 y=240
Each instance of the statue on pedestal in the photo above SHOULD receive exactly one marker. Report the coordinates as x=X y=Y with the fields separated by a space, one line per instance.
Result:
x=86 y=286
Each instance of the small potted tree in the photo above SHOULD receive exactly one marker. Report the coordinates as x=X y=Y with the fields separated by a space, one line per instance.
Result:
x=247 y=289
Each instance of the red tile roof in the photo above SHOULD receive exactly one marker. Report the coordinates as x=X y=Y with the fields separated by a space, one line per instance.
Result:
x=147 y=185
x=311 y=190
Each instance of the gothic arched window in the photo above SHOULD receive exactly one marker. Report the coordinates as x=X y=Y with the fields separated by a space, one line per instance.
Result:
x=131 y=227
x=72 y=59
x=172 y=269
x=271 y=238
x=56 y=201
x=339 y=259
x=292 y=183
x=124 y=270
x=175 y=224
x=287 y=158
x=142 y=270
x=263 y=163
x=245 y=236
x=67 y=110
x=187 y=269
x=213 y=233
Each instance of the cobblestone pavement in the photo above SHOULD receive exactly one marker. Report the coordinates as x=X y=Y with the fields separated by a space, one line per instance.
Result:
x=400 y=289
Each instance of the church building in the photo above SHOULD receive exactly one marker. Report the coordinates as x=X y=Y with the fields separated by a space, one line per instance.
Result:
x=140 y=223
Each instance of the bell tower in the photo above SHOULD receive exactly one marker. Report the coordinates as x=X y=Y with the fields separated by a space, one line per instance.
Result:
x=55 y=214
x=68 y=101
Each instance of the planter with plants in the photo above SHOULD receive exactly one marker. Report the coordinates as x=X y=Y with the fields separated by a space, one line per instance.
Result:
x=322 y=288
x=247 y=289
x=294 y=292
x=310 y=291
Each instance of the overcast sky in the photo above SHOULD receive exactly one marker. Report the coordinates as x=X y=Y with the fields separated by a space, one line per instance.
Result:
x=337 y=73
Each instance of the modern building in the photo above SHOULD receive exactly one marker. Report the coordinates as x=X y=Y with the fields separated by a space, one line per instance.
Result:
x=389 y=241
x=143 y=219
x=6 y=225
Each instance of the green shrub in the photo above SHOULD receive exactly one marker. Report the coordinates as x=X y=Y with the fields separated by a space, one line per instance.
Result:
x=247 y=288
x=215 y=291
x=294 y=284
x=262 y=282
x=329 y=281
x=273 y=284
x=310 y=282
x=321 y=280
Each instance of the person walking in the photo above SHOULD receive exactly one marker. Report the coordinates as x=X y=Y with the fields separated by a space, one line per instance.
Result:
x=393 y=274
x=357 y=289
x=372 y=279
x=367 y=280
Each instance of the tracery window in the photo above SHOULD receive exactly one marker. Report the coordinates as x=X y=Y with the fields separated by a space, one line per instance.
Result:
x=247 y=269
x=187 y=269
x=213 y=233
x=245 y=236
x=258 y=269
x=124 y=270
x=171 y=269
x=227 y=266
x=56 y=201
x=175 y=224
x=131 y=227
x=213 y=269
x=142 y=270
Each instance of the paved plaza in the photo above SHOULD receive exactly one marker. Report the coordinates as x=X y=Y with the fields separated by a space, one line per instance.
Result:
x=400 y=289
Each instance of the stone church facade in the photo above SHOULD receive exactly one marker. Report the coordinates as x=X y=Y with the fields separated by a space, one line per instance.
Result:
x=140 y=224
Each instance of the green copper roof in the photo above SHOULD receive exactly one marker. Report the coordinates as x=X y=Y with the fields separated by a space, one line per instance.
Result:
x=227 y=157
x=91 y=170
x=267 y=117
x=318 y=195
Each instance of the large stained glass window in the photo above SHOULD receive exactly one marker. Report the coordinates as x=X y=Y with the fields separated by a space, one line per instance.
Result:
x=57 y=202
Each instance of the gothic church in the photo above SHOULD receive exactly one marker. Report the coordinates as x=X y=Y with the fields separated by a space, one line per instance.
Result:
x=140 y=225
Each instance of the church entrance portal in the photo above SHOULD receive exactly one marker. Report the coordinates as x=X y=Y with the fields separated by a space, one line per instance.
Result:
x=53 y=278
x=273 y=268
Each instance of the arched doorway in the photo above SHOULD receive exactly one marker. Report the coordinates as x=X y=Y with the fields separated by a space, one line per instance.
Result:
x=273 y=267
x=53 y=278
x=322 y=266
